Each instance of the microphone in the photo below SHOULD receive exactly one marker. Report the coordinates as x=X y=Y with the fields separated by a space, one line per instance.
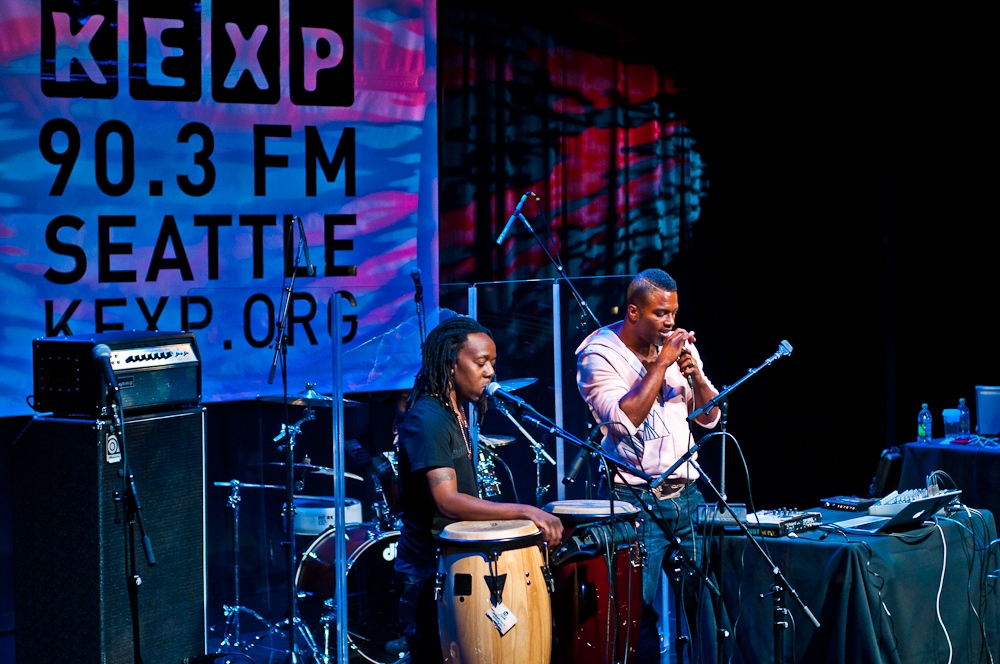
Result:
x=784 y=348
x=415 y=275
x=513 y=218
x=581 y=457
x=310 y=268
x=494 y=390
x=102 y=354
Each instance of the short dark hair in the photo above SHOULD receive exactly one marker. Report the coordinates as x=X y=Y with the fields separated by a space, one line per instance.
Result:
x=646 y=282
x=439 y=357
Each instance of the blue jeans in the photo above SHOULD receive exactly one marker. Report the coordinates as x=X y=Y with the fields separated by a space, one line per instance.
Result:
x=678 y=514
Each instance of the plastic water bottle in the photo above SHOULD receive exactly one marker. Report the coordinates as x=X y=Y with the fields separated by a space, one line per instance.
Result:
x=924 y=424
x=963 y=419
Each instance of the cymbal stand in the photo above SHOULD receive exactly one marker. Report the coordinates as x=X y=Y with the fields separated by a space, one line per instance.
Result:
x=541 y=456
x=231 y=637
x=293 y=622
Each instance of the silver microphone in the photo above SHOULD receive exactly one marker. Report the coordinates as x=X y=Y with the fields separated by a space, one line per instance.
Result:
x=310 y=268
x=497 y=392
x=513 y=218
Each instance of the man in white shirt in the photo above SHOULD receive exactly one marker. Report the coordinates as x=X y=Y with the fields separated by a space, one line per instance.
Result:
x=641 y=378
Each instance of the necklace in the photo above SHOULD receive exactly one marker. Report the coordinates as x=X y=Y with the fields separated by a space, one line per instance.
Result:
x=464 y=426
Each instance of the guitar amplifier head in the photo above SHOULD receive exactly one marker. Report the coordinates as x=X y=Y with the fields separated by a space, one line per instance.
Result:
x=155 y=370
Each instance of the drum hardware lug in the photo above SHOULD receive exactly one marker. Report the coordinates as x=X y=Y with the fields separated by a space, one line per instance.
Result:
x=550 y=582
x=439 y=585
x=137 y=580
x=637 y=556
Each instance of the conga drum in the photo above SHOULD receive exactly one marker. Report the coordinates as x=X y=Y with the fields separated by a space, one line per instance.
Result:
x=492 y=594
x=597 y=603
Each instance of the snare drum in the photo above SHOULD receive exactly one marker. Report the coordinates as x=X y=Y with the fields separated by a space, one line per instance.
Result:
x=493 y=568
x=314 y=514
x=597 y=601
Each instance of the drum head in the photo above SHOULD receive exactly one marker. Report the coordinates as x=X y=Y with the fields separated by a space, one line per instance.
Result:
x=488 y=531
x=589 y=510
x=314 y=514
x=372 y=597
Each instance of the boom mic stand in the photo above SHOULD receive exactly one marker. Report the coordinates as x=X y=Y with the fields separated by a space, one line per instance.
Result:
x=287 y=434
x=612 y=463
x=554 y=259
x=781 y=584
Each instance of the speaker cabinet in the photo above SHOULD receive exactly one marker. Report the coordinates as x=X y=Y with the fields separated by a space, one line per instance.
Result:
x=70 y=592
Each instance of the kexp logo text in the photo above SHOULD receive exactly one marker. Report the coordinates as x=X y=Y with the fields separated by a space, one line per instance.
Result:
x=80 y=50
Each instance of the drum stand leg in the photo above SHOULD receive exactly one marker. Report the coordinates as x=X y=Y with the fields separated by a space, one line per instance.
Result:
x=296 y=624
x=231 y=637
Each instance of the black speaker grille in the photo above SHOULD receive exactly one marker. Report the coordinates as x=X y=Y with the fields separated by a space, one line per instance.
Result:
x=71 y=600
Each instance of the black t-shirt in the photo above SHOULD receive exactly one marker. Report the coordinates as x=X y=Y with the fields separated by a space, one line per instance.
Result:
x=429 y=437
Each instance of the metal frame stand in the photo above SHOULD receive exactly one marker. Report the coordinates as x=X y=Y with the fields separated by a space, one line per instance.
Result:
x=231 y=637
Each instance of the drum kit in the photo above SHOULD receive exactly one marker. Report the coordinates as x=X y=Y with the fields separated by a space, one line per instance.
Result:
x=374 y=633
x=580 y=605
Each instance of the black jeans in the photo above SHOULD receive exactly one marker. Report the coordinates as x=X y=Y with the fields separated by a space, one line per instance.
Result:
x=418 y=617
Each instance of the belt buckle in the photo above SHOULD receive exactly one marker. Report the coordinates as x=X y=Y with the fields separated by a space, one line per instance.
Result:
x=669 y=490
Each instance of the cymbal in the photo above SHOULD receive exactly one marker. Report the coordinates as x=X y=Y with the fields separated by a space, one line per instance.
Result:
x=308 y=397
x=329 y=471
x=495 y=441
x=318 y=470
x=516 y=383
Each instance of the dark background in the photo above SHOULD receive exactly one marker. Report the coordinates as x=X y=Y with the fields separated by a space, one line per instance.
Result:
x=850 y=157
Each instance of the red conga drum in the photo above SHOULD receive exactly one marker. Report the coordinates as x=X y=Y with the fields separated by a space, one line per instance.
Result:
x=597 y=603
x=493 y=596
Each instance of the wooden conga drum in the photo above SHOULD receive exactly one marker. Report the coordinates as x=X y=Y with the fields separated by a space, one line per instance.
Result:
x=493 y=594
x=597 y=603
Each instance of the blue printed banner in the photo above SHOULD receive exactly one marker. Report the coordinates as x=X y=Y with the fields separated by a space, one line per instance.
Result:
x=158 y=156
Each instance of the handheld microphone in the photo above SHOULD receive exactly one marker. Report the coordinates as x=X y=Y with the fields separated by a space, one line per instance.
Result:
x=513 y=218
x=581 y=458
x=310 y=268
x=415 y=275
x=494 y=390
x=102 y=354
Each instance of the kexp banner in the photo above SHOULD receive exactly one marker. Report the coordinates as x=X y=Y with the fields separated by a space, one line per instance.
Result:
x=155 y=155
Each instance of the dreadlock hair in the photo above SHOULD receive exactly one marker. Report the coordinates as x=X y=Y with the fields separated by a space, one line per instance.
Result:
x=440 y=355
x=647 y=281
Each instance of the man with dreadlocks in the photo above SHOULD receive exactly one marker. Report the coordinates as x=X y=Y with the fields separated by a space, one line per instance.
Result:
x=436 y=471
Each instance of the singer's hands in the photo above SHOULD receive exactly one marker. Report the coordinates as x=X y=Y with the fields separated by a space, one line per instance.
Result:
x=671 y=351
x=689 y=368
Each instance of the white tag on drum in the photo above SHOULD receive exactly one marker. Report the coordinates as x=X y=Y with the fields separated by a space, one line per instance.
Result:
x=502 y=618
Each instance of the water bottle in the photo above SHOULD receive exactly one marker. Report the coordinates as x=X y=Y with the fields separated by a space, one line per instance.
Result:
x=924 y=424
x=963 y=419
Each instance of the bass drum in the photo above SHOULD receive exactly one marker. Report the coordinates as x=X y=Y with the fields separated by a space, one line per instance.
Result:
x=372 y=598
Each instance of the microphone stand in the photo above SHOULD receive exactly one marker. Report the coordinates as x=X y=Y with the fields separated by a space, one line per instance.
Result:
x=781 y=584
x=418 y=301
x=287 y=435
x=614 y=465
x=785 y=349
x=541 y=456
x=557 y=263
x=132 y=514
